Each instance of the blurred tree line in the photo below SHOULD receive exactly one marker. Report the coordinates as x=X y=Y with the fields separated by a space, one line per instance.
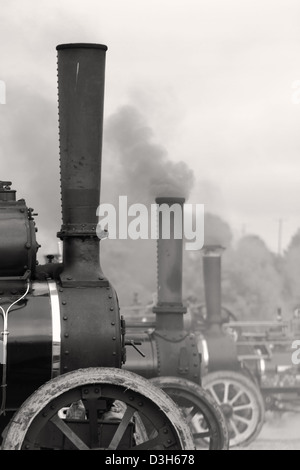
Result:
x=256 y=283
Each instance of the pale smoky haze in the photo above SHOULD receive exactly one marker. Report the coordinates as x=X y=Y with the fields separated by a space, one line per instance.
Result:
x=208 y=84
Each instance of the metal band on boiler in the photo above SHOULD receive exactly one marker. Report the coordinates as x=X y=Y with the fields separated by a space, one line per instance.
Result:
x=56 y=329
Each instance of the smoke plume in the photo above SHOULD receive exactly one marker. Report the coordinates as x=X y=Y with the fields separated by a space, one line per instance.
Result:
x=145 y=170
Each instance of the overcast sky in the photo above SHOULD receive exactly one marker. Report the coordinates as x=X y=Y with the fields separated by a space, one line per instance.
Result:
x=213 y=79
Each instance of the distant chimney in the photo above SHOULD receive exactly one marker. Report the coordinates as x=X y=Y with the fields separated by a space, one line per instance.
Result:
x=169 y=310
x=212 y=282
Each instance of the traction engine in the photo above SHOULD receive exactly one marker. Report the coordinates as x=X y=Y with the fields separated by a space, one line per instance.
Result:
x=63 y=340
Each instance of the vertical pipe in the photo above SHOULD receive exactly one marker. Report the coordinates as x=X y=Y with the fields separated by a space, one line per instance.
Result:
x=81 y=76
x=212 y=283
x=169 y=310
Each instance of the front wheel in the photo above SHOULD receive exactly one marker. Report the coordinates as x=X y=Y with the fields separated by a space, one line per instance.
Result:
x=241 y=402
x=98 y=409
x=203 y=414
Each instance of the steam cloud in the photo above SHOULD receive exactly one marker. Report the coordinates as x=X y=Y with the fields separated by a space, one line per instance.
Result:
x=145 y=169
x=135 y=165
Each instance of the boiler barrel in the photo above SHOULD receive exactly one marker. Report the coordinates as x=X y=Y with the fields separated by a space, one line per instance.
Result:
x=33 y=349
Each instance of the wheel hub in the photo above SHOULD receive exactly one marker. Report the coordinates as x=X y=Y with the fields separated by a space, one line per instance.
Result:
x=227 y=410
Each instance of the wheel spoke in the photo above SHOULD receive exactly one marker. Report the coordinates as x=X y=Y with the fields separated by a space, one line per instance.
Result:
x=243 y=420
x=215 y=396
x=64 y=428
x=234 y=427
x=226 y=392
x=242 y=407
x=191 y=414
x=121 y=428
x=236 y=397
x=91 y=406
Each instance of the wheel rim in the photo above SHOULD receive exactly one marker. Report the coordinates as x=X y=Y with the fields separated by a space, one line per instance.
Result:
x=98 y=414
x=203 y=415
x=239 y=406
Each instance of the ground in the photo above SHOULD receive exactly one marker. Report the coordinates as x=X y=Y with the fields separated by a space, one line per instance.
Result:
x=278 y=433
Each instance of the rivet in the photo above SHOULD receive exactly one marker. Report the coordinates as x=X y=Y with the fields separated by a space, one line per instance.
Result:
x=66 y=335
x=111 y=309
x=110 y=296
x=67 y=352
x=65 y=367
x=65 y=318
x=45 y=414
x=169 y=441
x=140 y=403
x=131 y=398
x=27 y=447
x=114 y=338
x=96 y=390
x=114 y=353
x=86 y=391
x=64 y=302
x=69 y=278
x=113 y=323
x=166 y=431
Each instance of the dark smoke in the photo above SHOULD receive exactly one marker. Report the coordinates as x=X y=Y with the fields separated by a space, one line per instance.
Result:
x=145 y=170
x=135 y=165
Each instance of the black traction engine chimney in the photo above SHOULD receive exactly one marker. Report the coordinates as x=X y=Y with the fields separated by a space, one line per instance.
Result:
x=81 y=76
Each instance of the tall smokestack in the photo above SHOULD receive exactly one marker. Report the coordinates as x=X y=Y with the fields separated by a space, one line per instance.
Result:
x=81 y=75
x=212 y=283
x=169 y=310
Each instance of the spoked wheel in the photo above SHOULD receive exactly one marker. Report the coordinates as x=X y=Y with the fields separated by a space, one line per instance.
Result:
x=241 y=402
x=98 y=409
x=204 y=416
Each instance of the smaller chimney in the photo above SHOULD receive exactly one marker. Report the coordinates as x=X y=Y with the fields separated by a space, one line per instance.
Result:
x=212 y=283
x=169 y=310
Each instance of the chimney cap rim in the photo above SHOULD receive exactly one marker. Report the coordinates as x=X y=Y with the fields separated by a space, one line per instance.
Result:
x=81 y=45
x=169 y=200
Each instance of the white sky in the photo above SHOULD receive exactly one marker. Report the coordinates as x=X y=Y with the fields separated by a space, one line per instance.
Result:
x=213 y=77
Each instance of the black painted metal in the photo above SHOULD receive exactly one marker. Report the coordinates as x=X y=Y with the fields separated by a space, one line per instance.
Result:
x=91 y=329
x=91 y=335
x=18 y=246
x=87 y=305
x=29 y=352
x=222 y=351
x=81 y=75
x=169 y=349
